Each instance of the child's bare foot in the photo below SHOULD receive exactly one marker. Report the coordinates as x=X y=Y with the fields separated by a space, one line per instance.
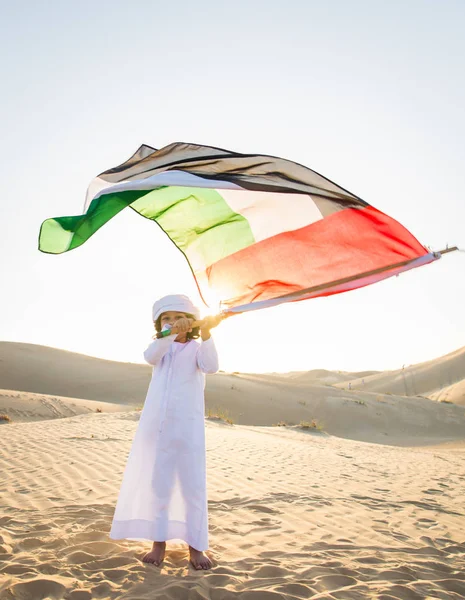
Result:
x=198 y=559
x=156 y=555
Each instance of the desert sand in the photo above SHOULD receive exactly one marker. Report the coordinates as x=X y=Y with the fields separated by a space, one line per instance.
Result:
x=366 y=503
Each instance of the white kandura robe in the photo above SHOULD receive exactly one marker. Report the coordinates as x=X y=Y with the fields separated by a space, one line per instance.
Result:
x=163 y=495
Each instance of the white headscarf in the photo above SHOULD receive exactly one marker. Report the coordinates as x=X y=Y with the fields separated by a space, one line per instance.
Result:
x=175 y=302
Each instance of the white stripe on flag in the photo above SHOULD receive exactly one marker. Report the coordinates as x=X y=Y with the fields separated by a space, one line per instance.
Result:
x=271 y=213
x=99 y=186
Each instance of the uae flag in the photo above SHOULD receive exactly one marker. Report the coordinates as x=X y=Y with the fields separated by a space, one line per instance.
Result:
x=256 y=230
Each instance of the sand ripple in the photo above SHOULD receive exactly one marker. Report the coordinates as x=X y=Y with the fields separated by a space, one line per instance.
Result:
x=291 y=516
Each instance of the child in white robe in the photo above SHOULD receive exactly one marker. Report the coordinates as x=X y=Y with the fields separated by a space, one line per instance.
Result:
x=163 y=495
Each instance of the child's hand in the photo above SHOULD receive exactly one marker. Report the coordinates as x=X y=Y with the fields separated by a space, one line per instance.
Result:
x=210 y=322
x=183 y=325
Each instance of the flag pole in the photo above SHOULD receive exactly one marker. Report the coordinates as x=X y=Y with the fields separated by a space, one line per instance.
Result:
x=236 y=311
x=447 y=249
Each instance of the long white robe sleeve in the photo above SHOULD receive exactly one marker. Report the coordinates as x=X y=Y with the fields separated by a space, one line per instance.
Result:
x=207 y=357
x=163 y=495
x=158 y=348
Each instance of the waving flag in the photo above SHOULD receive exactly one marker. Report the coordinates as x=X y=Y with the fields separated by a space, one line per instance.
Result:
x=257 y=230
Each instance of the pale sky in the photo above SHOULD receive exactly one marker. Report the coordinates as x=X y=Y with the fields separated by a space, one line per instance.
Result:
x=370 y=94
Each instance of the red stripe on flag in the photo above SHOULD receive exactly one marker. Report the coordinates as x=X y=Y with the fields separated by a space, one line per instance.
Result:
x=349 y=242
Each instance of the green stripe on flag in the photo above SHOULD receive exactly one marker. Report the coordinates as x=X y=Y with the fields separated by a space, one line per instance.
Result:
x=66 y=233
x=198 y=220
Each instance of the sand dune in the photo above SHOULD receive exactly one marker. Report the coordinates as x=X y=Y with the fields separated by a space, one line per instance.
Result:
x=39 y=369
x=44 y=370
x=452 y=393
x=423 y=379
x=323 y=376
x=248 y=399
x=383 y=418
x=26 y=406
x=292 y=515
x=370 y=506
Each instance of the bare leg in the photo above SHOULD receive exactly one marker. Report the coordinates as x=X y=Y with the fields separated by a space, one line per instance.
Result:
x=156 y=555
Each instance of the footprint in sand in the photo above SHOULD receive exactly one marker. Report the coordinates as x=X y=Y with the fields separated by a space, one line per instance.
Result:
x=30 y=543
x=79 y=595
x=95 y=548
x=17 y=570
x=38 y=588
x=264 y=509
x=330 y=583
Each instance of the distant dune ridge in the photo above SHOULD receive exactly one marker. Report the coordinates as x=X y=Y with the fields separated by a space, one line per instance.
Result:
x=378 y=407
x=40 y=369
x=323 y=376
x=439 y=379
x=27 y=406
x=293 y=513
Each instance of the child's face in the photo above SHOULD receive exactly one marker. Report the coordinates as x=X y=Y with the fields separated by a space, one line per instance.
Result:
x=170 y=317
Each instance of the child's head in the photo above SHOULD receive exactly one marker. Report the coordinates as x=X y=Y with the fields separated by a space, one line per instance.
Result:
x=170 y=317
x=169 y=309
